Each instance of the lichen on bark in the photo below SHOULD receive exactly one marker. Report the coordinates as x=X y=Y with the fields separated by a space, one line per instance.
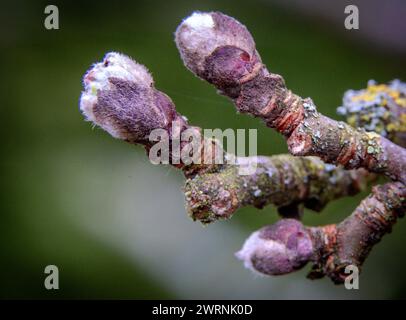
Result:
x=380 y=108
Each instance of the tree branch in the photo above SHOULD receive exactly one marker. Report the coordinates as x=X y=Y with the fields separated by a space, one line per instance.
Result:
x=120 y=97
x=283 y=180
x=220 y=50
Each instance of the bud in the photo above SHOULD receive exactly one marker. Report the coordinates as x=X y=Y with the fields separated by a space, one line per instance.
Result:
x=277 y=249
x=216 y=47
x=119 y=96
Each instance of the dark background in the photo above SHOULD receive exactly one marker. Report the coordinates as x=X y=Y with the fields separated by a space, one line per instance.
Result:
x=115 y=224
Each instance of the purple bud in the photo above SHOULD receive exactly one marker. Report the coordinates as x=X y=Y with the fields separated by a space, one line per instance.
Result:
x=277 y=249
x=204 y=39
x=120 y=97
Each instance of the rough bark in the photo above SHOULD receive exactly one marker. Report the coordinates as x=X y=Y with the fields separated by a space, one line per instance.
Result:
x=285 y=181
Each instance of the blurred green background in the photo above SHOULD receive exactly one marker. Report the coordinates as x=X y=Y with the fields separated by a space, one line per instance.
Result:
x=113 y=223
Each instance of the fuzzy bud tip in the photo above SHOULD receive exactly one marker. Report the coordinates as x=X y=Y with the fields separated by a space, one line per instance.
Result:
x=119 y=96
x=201 y=34
x=277 y=249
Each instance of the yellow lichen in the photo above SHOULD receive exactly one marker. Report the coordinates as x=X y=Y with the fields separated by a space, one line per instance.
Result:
x=372 y=91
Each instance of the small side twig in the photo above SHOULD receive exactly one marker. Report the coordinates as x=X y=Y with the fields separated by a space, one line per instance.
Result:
x=287 y=245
